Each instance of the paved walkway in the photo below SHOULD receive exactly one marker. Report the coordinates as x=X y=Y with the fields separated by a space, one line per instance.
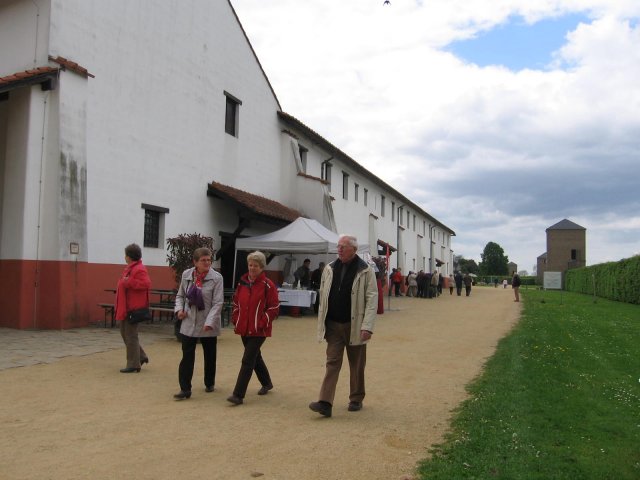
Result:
x=21 y=348
x=75 y=416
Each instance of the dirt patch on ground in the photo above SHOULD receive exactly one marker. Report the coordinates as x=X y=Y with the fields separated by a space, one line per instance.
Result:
x=79 y=418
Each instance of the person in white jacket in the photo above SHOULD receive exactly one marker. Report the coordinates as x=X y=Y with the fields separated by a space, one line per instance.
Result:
x=346 y=318
x=199 y=304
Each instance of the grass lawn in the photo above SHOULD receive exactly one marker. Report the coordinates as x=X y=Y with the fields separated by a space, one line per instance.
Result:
x=560 y=399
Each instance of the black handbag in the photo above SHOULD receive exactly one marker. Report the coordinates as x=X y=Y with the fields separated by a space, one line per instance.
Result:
x=139 y=315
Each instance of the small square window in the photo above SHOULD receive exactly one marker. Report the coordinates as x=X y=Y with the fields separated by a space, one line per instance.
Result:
x=151 y=228
x=154 y=225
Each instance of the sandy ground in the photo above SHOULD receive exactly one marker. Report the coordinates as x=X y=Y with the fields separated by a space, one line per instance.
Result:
x=79 y=418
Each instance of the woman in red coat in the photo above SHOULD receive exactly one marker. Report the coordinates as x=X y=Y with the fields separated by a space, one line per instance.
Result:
x=132 y=293
x=255 y=307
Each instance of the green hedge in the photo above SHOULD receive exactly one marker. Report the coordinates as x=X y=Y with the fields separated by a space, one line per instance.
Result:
x=619 y=281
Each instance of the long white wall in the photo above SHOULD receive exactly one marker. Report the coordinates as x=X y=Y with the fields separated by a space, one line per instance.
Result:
x=155 y=115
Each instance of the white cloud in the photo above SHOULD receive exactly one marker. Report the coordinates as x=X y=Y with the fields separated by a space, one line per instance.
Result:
x=494 y=154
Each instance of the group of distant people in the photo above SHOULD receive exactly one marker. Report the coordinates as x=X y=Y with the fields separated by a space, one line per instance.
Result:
x=426 y=284
x=347 y=305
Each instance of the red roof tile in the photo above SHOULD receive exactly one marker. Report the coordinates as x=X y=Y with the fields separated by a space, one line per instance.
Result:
x=27 y=75
x=73 y=66
x=260 y=205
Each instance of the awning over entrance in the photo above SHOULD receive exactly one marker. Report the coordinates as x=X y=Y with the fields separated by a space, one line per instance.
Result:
x=254 y=206
x=249 y=207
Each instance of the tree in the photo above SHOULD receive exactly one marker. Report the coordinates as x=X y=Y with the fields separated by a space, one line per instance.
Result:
x=494 y=261
x=465 y=265
x=180 y=251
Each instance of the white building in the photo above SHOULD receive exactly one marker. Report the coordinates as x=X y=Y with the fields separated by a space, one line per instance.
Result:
x=126 y=121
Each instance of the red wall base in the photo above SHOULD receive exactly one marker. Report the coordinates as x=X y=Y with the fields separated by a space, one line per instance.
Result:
x=61 y=295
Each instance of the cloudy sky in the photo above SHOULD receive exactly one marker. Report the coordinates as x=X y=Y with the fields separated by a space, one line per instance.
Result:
x=498 y=117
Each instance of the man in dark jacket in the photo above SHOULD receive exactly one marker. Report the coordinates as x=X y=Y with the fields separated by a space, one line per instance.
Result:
x=458 y=279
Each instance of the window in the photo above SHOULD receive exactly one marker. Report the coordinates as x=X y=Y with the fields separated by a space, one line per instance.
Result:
x=400 y=215
x=574 y=254
x=408 y=217
x=393 y=212
x=382 y=199
x=326 y=173
x=424 y=228
x=366 y=197
x=154 y=225
x=414 y=223
x=231 y=115
x=345 y=185
x=303 y=157
x=356 y=188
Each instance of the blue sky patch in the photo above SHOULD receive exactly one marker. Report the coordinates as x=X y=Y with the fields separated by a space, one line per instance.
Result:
x=517 y=45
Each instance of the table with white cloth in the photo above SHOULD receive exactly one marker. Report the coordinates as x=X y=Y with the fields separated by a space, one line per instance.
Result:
x=296 y=298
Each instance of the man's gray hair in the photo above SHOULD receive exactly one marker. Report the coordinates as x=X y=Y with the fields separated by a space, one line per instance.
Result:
x=353 y=241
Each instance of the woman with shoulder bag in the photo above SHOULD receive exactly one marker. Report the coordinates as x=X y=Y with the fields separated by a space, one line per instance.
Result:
x=255 y=307
x=199 y=304
x=132 y=293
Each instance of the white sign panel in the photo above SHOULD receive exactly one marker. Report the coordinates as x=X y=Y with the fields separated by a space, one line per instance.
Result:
x=552 y=280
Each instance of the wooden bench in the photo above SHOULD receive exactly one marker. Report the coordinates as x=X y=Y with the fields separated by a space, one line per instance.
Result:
x=109 y=310
x=161 y=308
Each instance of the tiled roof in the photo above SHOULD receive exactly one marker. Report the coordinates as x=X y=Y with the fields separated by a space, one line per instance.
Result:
x=566 y=225
x=41 y=74
x=73 y=66
x=255 y=203
x=27 y=75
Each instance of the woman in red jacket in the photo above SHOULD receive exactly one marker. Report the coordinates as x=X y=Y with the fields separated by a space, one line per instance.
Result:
x=132 y=293
x=255 y=307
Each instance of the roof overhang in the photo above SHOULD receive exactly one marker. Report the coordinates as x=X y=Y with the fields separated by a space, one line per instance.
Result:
x=46 y=77
x=382 y=247
x=251 y=206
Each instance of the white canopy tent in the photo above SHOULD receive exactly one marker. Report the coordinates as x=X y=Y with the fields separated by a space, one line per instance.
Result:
x=304 y=235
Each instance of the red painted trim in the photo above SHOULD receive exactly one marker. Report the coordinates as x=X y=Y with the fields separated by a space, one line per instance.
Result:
x=61 y=295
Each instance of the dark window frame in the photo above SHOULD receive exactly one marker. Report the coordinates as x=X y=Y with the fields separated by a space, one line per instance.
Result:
x=345 y=185
x=153 y=220
x=232 y=114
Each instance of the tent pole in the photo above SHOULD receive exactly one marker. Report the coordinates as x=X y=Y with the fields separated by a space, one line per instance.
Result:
x=235 y=257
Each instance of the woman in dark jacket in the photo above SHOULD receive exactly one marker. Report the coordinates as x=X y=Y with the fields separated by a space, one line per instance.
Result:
x=132 y=293
x=198 y=304
x=255 y=307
